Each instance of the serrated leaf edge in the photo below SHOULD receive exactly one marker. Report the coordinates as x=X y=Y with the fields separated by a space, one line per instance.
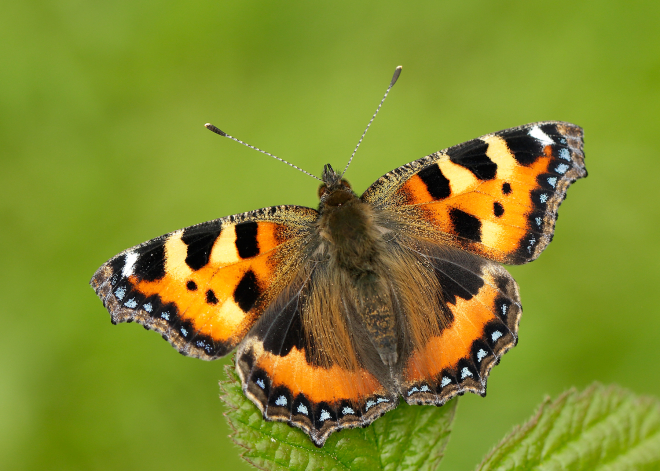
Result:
x=520 y=432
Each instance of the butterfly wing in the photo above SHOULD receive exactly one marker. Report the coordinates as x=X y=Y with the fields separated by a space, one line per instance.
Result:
x=478 y=324
x=309 y=363
x=496 y=196
x=205 y=286
x=455 y=213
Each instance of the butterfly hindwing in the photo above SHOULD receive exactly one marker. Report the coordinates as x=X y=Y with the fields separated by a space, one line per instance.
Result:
x=496 y=196
x=480 y=324
x=203 y=287
x=305 y=364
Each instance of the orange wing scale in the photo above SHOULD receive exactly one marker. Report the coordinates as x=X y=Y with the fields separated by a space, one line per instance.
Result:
x=444 y=352
x=318 y=384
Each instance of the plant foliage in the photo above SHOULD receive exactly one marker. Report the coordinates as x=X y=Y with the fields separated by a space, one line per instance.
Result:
x=601 y=428
x=409 y=437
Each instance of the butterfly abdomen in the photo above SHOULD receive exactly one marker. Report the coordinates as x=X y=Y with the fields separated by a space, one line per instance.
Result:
x=376 y=310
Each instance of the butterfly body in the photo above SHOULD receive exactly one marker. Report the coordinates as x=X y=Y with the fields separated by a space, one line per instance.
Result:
x=354 y=244
x=337 y=313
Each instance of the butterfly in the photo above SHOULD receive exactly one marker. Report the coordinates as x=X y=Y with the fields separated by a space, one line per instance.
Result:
x=336 y=313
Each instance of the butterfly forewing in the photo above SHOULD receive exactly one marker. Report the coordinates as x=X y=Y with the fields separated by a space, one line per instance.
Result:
x=496 y=196
x=203 y=287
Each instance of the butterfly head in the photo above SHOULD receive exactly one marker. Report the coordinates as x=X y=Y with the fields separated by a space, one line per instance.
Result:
x=334 y=191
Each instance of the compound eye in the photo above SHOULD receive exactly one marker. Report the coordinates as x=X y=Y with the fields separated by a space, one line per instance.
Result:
x=345 y=183
x=322 y=190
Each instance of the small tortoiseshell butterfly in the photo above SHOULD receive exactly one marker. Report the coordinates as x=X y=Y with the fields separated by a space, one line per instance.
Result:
x=338 y=312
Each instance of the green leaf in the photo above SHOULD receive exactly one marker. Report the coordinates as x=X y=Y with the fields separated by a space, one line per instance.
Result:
x=601 y=428
x=409 y=437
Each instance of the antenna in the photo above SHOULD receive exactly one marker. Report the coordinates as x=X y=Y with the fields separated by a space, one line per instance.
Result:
x=211 y=127
x=397 y=72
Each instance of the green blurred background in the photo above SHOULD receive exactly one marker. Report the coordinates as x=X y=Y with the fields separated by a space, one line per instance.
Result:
x=102 y=147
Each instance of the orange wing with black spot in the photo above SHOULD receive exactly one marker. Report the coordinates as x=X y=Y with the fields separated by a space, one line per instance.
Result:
x=205 y=286
x=306 y=361
x=479 y=324
x=496 y=196
x=457 y=212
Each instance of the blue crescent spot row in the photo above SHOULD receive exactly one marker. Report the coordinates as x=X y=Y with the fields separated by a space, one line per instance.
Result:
x=484 y=348
x=150 y=308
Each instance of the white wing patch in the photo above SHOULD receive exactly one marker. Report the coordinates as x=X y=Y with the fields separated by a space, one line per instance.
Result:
x=540 y=136
x=129 y=266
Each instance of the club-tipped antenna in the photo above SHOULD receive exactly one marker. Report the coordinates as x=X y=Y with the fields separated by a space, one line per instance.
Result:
x=397 y=72
x=213 y=128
